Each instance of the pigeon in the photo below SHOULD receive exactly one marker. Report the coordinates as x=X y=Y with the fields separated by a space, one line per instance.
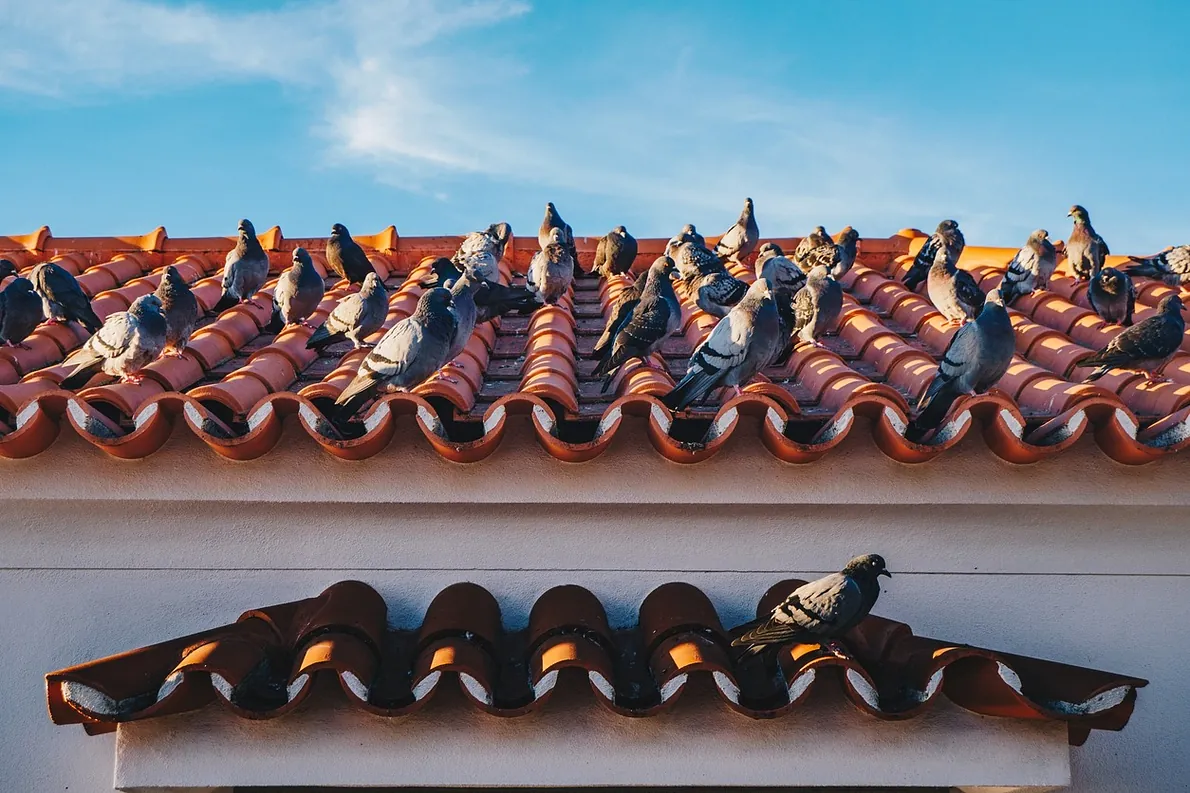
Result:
x=976 y=358
x=245 y=270
x=816 y=307
x=655 y=316
x=692 y=258
x=620 y=314
x=1171 y=266
x=848 y=249
x=462 y=306
x=739 y=240
x=127 y=342
x=824 y=609
x=1112 y=296
x=7 y=268
x=1085 y=250
x=553 y=220
x=298 y=292
x=20 y=312
x=180 y=308
x=445 y=270
x=615 y=253
x=411 y=351
x=947 y=236
x=484 y=265
x=356 y=317
x=818 y=238
x=715 y=293
x=1145 y=346
x=491 y=240
x=345 y=257
x=1030 y=269
x=951 y=290
x=492 y=298
x=739 y=346
x=62 y=298
x=785 y=279
x=690 y=234
x=552 y=270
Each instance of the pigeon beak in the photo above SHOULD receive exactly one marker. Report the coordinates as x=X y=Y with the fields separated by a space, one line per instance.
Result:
x=885 y=573
x=1070 y=214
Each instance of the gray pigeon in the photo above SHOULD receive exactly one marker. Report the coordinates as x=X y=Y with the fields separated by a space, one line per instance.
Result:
x=739 y=346
x=1145 y=346
x=411 y=351
x=816 y=307
x=953 y=291
x=824 y=609
x=180 y=308
x=62 y=298
x=356 y=317
x=298 y=292
x=553 y=220
x=245 y=270
x=1031 y=268
x=7 y=268
x=127 y=342
x=552 y=270
x=1171 y=266
x=491 y=240
x=20 y=312
x=741 y=239
x=465 y=312
x=977 y=357
x=690 y=234
x=492 y=298
x=848 y=248
x=615 y=253
x=716 y=292
x=345 y=257
x=655 y=316
x=818 y=238
x=785 y=279
x=1085 y=250
x=483 y=264
x=1112 y=296
x=620 y=314
x=692 y=258
x=947 y=236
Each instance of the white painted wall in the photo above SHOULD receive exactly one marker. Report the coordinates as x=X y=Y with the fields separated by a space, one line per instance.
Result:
x=99 y=556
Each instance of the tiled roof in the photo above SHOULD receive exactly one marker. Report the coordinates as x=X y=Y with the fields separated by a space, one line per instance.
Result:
x=265 y=664
x=235 y=384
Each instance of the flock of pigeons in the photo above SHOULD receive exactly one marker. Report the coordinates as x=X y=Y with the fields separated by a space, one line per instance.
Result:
x=795 y=298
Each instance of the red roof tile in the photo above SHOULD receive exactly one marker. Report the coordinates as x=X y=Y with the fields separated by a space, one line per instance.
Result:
x=264 y=664
x=235 y=382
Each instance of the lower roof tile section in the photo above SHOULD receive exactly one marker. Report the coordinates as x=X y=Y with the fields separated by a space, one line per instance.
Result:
x=265 y=664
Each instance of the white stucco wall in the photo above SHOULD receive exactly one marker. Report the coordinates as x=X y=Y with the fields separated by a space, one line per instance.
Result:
x=98 y=556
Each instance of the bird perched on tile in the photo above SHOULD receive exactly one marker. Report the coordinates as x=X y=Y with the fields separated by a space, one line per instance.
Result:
x=716 y=292
x=483 y=264
x=552 y=270
x=125 y=344
x=180 y=308
x=1112 y=295
x=816 y=239
x=977 y=357
x=947 y=236
x=62 y=298
x=785 y=280
x=7 y=268
x=615 y=253
x=245 y=269
x=824 y=609
x=621 y=312
x=848 y=247
x=1171 y=266
x=692 y=258
x=741 y=239
x=411 y=351
x=553 y=220
x=953 y=291
x=655 y=315
x=690 y=234
x=1144 y=347
x=817 y=306
x=1031 y=268
x=356 y=317
x=462 y=306
x=492 y=299
x=345 y=257
x=20 y=312
x=491 y=240
x=298 y=292
x=739 y=346
x=1085 y=249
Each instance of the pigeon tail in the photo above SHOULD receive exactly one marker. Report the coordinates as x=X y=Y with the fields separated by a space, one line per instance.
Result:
x=322 y=337
x=694 y=386
x=932 y=411
x=1150 y=267
x=347 y=405
x=276 y=323
x=79 y=377
x=226 y=301
x=90 y=321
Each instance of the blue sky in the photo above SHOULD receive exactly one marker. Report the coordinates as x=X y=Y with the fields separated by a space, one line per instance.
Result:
x=440 y=117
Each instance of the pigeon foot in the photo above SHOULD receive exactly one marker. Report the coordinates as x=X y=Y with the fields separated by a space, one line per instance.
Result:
x=838 y=650
x=133 y=379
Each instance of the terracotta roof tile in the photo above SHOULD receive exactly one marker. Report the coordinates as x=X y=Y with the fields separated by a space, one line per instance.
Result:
x=235 y=383
x=264 y=664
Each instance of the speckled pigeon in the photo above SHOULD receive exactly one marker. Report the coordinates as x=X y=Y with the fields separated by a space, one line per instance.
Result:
x=553 y=220
x=615 y=253
x=1030 y=269
x=180 y=308
x=1085 y=250
x=127 y=342
x=785 y=277
x=345 y=257
x=1171 y=266
x=298 y=292
x=62 y=298
x=552 y=270
x=655 y=316
x=818 y=238
x=411 y=351
x=621 y=312
x=977 y=357
x=491 y=240
x=953 y=291
x=245 y=269
x=692 y=258
x=715 y=293
x=690 y=234
x=741 y=239
x=20 y=312
x=1112 y=295
x=947 y=236
x=1145 y=346
x=739 y=346
x=817 y=306
x=356 y=317
x=824 y=609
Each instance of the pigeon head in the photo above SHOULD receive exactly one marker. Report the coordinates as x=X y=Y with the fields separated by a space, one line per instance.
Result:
x=947 y=226
x=1111 y=279
x=434 y=301
x=246 y=228
x=551 y=214
x=1171 y=304
x=556 y=235
x=760 y=291
x=7 y=268
x=1079 y=214
x=994 y=297
x=747 y=204
x=868 y=566
x=849 y=236
x=501 y=231
x=1039 y=236
x=20 y=284
x=339 y=230
x=621 y=231
x=145 y=304
x=171 y=281
x=821 y=232
x=663 y=266
x=768 y=251
x=302 y=256
x=372 y=284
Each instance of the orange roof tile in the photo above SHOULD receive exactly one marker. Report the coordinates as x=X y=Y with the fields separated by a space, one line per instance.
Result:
x=235 y=382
